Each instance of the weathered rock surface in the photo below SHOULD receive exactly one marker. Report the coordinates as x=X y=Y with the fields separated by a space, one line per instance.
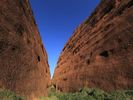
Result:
x=100 y=52
x=24 y=65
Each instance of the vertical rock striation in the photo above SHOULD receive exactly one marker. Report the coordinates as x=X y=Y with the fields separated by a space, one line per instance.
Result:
x=24 y=65
x=100 y=52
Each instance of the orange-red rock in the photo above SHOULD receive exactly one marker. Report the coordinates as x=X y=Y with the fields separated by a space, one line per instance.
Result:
x=24 y=65
x=100 y=52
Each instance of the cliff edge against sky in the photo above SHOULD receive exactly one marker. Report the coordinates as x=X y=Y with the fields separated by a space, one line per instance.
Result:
x=99 y=53
x=24 y=65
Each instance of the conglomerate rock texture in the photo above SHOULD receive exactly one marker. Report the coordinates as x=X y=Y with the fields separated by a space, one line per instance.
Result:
x=100 y=52
x=24 y=65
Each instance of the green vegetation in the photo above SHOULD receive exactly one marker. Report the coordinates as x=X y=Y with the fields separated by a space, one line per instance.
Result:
x=90 y=94
x=83 y=94
x=8 y=95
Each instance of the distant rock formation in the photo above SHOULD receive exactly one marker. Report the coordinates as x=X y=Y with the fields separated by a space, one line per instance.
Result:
x=24 y=65
x=100 y=52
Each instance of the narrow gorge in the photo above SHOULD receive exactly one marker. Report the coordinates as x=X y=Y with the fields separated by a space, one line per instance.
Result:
x=99 y=54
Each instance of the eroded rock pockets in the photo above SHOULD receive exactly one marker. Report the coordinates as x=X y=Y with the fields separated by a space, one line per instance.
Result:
x=24 y=65
x=99 y=53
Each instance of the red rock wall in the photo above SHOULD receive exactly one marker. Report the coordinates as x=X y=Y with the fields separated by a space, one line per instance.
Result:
x=100 y=52
x=24 y=65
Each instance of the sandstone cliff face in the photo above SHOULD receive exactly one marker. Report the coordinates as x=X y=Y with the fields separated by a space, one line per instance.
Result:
x=24 y=65
x=100 y=52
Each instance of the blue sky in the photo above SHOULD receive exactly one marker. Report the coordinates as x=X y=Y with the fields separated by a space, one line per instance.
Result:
x=56 y=20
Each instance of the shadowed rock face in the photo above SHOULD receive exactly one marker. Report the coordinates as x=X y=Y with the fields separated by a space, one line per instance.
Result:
x=24 y=65
x=100 y=52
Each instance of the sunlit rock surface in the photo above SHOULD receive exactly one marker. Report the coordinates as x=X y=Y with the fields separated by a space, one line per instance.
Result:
x=100 y=52
x=24 y=65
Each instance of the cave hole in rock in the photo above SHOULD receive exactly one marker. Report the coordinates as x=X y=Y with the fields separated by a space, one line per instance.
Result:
x=104 y=54
x=88 y=61
x=13 y=49
x=38 y=58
